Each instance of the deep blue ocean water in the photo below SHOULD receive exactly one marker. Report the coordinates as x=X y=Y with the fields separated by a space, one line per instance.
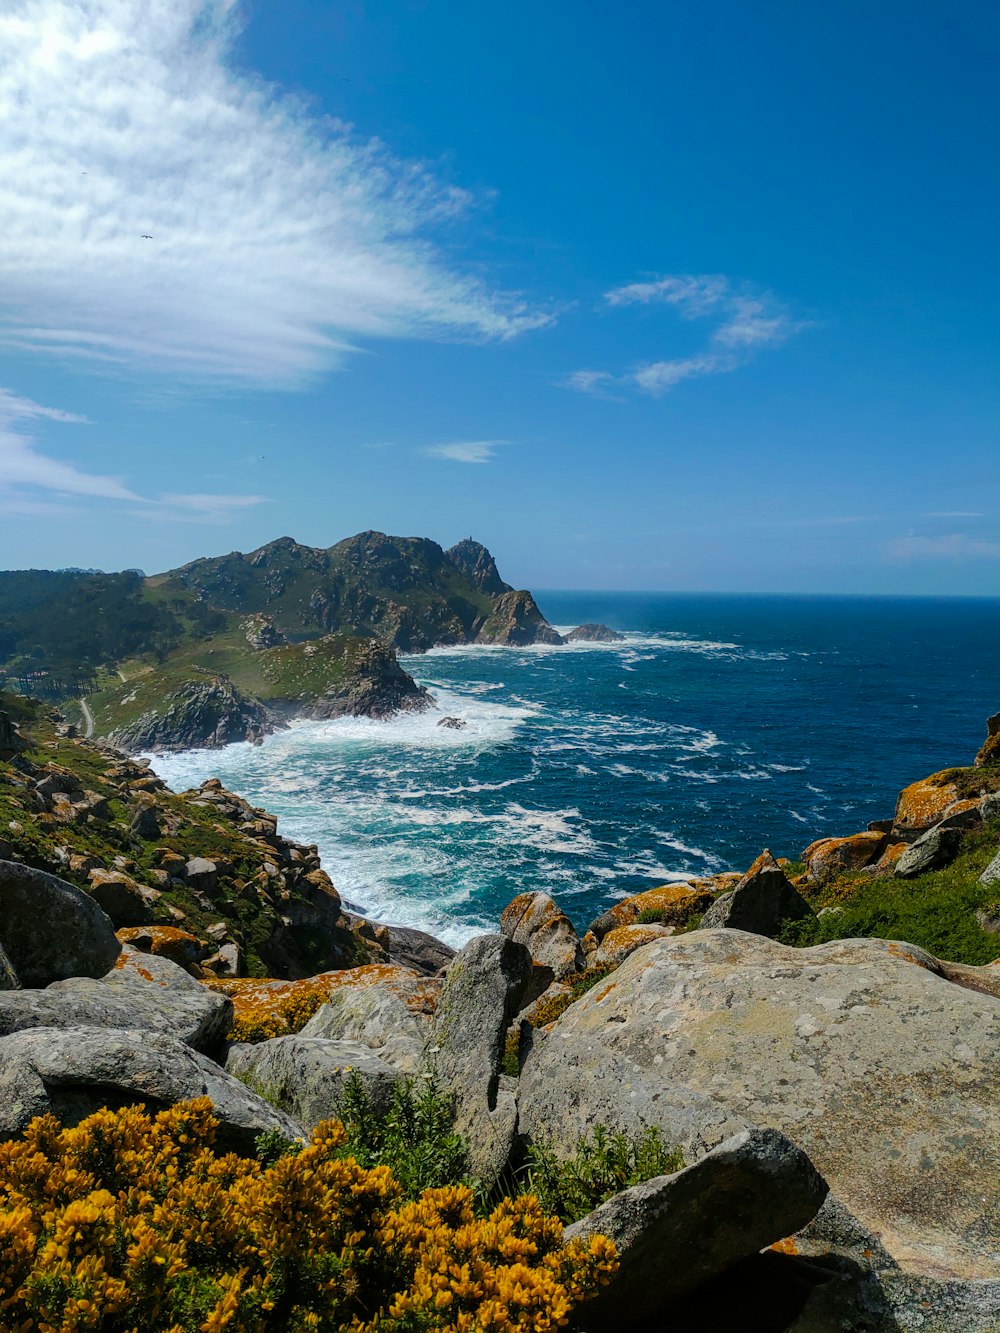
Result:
x=722 y=725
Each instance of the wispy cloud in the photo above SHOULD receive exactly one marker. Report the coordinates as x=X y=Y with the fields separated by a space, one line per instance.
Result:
x=161 y=209
x=746 y=323
x=470 y=451
x=953 y=546
x=25 y=472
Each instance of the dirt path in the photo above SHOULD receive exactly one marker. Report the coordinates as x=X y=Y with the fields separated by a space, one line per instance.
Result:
x=88 y=718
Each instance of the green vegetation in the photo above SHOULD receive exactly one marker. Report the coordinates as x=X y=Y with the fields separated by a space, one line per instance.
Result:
x=603 y=1164
x=70 y=846
x=415 y=1137
x=936 y=911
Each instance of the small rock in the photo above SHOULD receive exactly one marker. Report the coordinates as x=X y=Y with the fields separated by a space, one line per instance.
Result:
x=991 y=875
x=201 y=873
x=618 y=944
x=453 y=723
x=593 y=633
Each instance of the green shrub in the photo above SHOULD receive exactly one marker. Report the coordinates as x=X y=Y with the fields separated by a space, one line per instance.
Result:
x=415 y=1138
x=604 y=1163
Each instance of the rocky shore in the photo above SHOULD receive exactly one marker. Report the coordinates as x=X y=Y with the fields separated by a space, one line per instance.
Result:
x=836 y=1105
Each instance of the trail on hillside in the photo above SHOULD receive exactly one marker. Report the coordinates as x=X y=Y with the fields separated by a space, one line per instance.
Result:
x=88 y=718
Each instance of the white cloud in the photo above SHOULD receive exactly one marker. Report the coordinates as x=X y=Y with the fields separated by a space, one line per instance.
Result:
x=471 y=451
x=954 y=546
x=277 y=238
x=24 y=471
x=747 y=322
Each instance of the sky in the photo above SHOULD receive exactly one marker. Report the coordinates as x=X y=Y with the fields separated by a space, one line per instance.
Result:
x=654 y=296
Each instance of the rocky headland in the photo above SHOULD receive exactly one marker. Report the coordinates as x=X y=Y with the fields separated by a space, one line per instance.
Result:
x=832 y=1087
x=229 y=648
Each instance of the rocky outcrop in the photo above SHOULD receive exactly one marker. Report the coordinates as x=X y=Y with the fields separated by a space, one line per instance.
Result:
x=49 y=929
x=673 y=1232
x=762 y=902
x=376 y=687
x=885 y=1073
x=306 y=1075
x=483 y=990
x=670 y=905
x=415 y=949
x=593 y=633
x=72 y=1072
x=262 y=633
x=201 y=714
x=478 y=565
x=990 y=752
x=533 y=919
x=515 y=621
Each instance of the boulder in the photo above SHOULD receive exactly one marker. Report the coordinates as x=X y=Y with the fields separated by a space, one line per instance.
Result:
x=126 y=902
x=376 y=1017
x=72 y=1072
x=922 y=804
x=830 y=856
x=452 y=723
x=416 y=950
x=180 y=946
x=482 y=992
x=50 y=929
x=672 y=904
x=990 y=753
x=618 y=944
x=673 y=1232
x=761 y=903
x=146 y=823
x=885 y=1073
x=533 y=919
x=306 y=1075
x=932 y=850
x=151 y=994
x=201 y=873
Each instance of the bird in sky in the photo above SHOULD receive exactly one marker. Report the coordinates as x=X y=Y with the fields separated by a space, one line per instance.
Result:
x=145 y=237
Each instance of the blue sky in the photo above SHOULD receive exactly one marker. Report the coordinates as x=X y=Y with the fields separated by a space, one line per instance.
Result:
x=648 y=296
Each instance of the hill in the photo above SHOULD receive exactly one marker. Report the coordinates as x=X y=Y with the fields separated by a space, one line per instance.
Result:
x=228 y=647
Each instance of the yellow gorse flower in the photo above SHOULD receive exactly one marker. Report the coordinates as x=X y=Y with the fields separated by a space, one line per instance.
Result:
x=133 y=1223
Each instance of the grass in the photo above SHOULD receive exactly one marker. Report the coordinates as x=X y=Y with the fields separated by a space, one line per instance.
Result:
x=604 y=1164
x=935 y=911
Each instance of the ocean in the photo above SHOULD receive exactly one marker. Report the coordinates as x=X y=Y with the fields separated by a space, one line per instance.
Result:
x=720 y=726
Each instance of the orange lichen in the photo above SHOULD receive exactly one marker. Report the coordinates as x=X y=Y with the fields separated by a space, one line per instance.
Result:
x=828 y=856
x=923 y=803
x=264 y=1007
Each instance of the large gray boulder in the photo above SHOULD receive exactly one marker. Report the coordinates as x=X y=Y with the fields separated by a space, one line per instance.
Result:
x=376 y=1017
x=306 y=1075
x=932 y=850
x=761 y=902
x=885 y=1073
x=74 y=1071
x=156 y=996
x=50 y=929
x=675 y=1231
x=482 y=993
x=533 y=919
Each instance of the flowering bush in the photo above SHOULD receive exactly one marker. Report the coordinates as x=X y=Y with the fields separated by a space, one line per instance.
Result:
x=132 y=1221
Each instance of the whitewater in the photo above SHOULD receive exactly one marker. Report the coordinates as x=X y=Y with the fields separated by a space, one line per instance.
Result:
x=719 y=726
